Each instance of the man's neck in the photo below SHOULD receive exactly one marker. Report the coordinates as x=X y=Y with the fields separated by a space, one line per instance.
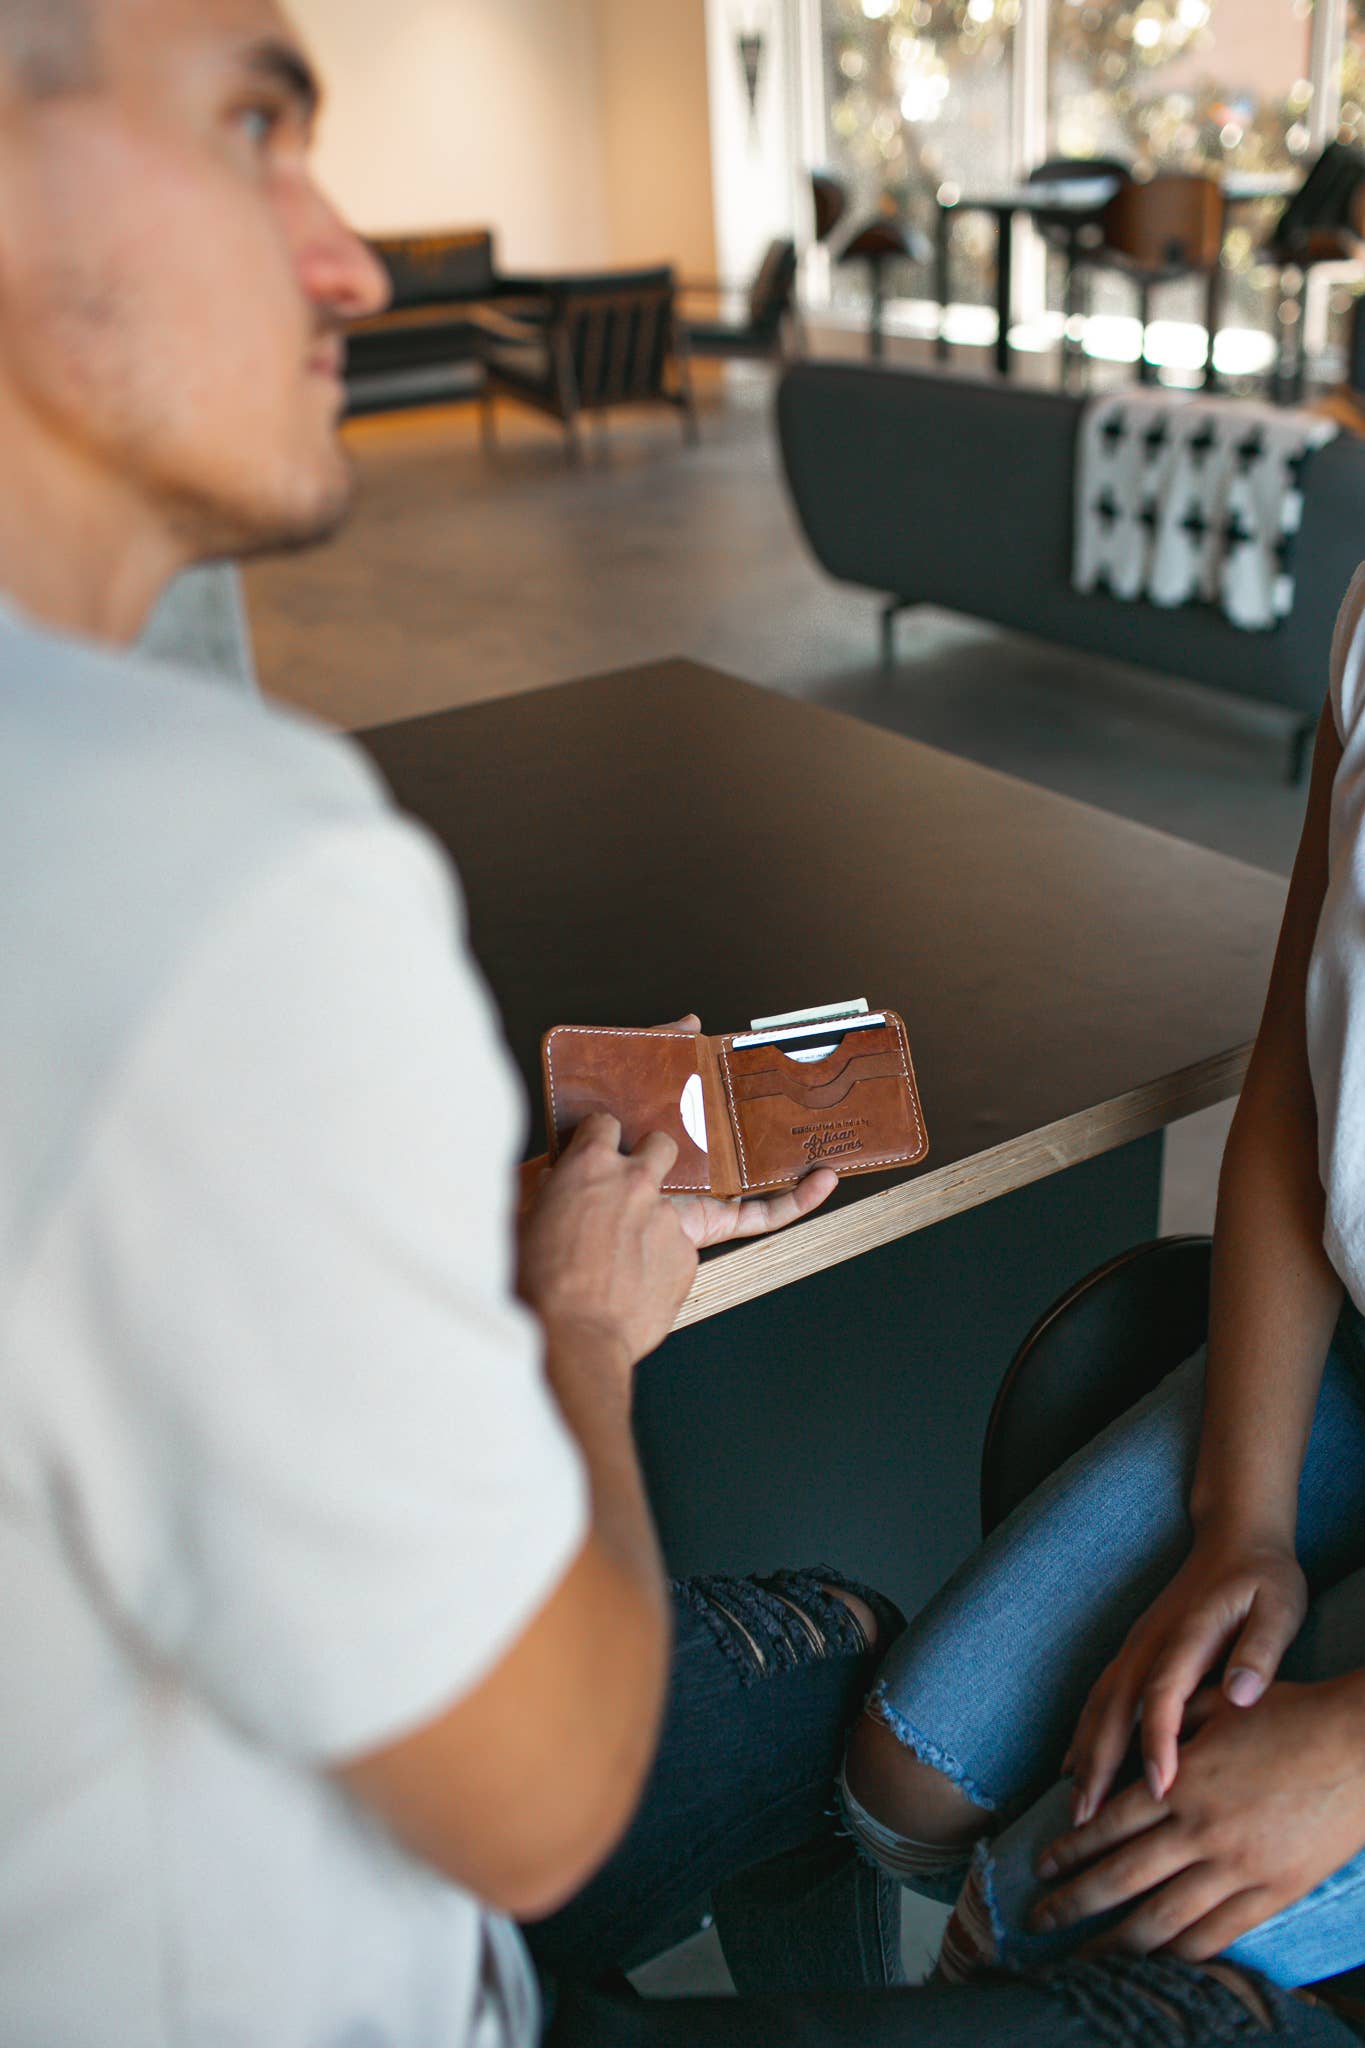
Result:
x=78 y=551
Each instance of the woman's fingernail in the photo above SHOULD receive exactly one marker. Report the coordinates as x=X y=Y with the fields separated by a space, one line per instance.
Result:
x=1047 y=1864
x=1044 y=1917
x=1243 y=1687
x=1154 y=1784
x=1080 y=1809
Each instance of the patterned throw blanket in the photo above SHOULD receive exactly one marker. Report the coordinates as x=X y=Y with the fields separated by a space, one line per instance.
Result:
x=1182 y=500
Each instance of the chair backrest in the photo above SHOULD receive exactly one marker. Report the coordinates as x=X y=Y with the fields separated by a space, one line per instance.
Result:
x=618 y=333
x=770 y=294
x=1167 y=226
x=427 y=270
x=1058 y=227
x=830 y=197
x=1323 y=200
x=1095 y=1352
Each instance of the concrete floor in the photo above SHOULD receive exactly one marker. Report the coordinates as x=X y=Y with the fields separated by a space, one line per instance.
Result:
x=466 y=576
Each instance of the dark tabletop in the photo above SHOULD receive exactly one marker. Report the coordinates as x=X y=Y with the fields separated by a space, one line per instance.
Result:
x=636 y=845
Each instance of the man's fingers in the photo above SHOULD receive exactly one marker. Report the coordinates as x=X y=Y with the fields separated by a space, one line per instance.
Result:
x=774 y=1212
x=1255 y=1656
x=691 y=1022
x=597 y=1129
x=656 y=1151
x=1132 y=1813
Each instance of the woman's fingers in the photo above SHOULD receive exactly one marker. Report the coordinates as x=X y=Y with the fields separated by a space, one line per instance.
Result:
x=1206 y=1938
x=1170 y=1912
x=1132 y=1813
x=1255 y=1657
x=1174 y=1679
x=1151 y=1855
x=1103 y=1735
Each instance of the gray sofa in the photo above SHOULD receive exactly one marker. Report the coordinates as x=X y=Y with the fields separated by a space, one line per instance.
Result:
x=938 y=489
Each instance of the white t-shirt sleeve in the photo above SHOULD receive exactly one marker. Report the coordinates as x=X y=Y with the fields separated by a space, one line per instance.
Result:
x=1348 y=654
x=301 y=1424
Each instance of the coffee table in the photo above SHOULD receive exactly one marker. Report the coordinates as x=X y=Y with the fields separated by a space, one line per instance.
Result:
x=667 y=838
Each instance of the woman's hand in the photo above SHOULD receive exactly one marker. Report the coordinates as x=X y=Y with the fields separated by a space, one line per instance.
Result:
x=1244 y=1598
x=1269 y=1801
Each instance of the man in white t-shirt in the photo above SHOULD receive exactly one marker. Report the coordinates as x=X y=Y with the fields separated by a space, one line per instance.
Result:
x=334 y=1633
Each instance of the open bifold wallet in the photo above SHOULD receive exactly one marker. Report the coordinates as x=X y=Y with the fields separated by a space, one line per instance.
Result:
x=751 y=1110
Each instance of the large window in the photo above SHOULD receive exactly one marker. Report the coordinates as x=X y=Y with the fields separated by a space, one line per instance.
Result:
x=919 y=93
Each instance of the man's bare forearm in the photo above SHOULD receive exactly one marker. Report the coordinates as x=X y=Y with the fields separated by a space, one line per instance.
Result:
x=592 y=1381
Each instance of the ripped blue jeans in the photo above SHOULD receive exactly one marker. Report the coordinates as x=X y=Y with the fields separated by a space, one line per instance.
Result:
x=987 y=1682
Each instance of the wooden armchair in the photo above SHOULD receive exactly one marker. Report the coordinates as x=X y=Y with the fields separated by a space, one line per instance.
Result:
x=585 y=344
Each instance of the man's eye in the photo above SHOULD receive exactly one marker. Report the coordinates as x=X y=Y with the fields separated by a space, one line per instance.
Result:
x=258 y=124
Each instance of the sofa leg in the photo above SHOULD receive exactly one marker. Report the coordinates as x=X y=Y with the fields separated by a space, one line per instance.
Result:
x=1300 y=750
x=890 y=611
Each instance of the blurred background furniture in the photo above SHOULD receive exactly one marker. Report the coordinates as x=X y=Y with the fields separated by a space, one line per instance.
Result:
x=1073 y=231
x=1055 y=199
x=881 y=241
x=771 y=321
x=1314 y=228
x=958 y=491
x=428 y=342
x=829 y=198
x=1156 y=232
x=590 y=343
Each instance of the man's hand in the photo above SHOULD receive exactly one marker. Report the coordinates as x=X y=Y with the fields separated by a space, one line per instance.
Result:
x=708 y=1220
x=603 y=1255
x=1238 y=1597
x=1269 y=1801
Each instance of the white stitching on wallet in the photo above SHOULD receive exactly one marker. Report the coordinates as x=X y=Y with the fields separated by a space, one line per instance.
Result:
x=886 y=1159
x=734 y=1115
x=681 y=1187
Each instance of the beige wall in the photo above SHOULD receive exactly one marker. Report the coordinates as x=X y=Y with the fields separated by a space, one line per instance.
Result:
x=445 y=113
x=656 y=133
x=577 y=129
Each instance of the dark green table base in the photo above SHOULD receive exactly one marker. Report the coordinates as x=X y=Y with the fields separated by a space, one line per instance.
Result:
x=840 y=1420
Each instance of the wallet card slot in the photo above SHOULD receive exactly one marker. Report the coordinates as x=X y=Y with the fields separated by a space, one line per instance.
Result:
x=763 y=1059
x=789 y=1081
x=781 y=1133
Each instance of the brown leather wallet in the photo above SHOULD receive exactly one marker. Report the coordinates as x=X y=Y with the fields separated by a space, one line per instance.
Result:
x=750 y=1110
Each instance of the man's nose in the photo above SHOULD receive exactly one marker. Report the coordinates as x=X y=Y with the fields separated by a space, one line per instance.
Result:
x=339 y=271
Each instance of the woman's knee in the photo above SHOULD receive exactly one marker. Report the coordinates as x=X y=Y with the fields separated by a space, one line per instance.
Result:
x=906 y=1796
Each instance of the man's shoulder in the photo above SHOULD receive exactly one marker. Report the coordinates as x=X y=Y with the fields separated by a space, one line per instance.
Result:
x=101 y=727
x=139 y=807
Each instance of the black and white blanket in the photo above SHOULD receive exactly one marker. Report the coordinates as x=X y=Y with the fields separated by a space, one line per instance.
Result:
x=1193 y=499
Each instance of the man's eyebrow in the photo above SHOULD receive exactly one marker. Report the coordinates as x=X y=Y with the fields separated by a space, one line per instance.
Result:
x=284 y=65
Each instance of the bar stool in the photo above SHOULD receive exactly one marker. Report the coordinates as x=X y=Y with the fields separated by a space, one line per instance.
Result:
x=1072 y=233
x=1159 y=231
x=884 y=239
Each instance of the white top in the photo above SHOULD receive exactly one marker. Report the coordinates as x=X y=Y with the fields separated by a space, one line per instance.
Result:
x=1336 y=975
x=280 y=1478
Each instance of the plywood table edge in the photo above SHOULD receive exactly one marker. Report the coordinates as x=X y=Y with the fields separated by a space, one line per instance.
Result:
x=764 y=1264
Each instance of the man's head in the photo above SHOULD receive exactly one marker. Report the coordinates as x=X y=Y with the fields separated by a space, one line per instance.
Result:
x=172 y=283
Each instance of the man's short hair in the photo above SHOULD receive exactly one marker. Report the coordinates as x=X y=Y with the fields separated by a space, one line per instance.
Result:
x=48 y=46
